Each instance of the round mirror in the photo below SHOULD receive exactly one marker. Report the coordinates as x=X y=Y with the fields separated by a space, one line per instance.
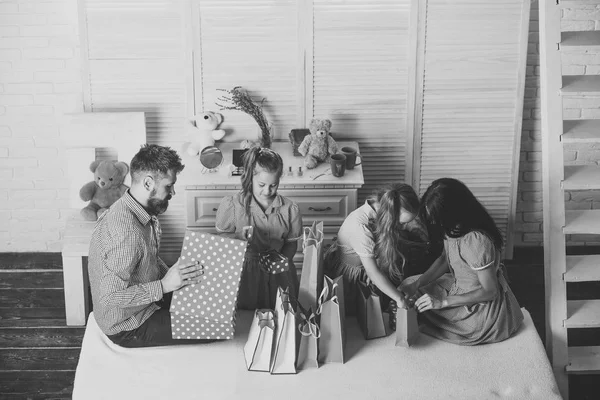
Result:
x=211 y=157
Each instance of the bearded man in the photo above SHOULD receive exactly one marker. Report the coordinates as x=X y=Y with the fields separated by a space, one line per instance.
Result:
x=131 y=285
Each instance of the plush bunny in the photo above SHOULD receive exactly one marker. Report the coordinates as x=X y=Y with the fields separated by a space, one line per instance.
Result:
x=203 y=131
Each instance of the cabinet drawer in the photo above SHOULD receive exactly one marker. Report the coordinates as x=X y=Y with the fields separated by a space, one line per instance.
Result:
x=329 y=206
x=202 y=206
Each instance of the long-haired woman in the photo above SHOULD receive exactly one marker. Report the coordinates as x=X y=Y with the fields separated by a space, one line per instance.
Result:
x=463 y=297
x=370 y=241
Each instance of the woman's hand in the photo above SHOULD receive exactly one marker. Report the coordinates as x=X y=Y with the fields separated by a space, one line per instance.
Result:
x=409 y=289
x=429 y=302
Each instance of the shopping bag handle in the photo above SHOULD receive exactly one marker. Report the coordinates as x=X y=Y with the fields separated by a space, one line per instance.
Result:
x=286 y=300
x=312 y=327
x=312 y=236
x=324 y=296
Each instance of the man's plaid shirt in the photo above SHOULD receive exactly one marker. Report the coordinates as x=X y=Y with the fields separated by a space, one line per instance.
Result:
x=124 y=266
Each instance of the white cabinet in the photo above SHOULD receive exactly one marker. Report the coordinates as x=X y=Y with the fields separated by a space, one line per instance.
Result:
x=320 y=197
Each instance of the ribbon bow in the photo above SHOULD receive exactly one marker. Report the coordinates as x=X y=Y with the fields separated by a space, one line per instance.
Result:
x=265 y=319
x=273 y=262
x=308 y=325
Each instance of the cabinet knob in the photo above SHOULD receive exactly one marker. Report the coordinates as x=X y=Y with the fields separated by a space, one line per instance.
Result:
x=214 y=209
x=319 y=209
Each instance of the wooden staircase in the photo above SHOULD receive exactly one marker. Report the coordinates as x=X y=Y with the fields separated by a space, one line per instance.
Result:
x=560 y=270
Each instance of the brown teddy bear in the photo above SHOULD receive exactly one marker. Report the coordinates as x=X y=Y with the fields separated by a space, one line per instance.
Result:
x=106 y=188
x=319 y=145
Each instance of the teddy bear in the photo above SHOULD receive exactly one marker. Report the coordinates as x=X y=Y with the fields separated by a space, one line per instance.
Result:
x=319 y=145
x=106 y=188
x=203 y=131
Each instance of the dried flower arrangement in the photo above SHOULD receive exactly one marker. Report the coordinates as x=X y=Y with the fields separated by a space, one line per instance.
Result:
x=239 y=99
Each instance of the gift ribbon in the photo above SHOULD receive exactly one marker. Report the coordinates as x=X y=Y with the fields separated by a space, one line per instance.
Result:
x=324 y=297
x=308 y=328
x=273 y=262
x=265 y=319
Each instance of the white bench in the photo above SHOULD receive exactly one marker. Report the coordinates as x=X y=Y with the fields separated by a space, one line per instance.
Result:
x=515 y=369
x=75 y=248
x=86 y=137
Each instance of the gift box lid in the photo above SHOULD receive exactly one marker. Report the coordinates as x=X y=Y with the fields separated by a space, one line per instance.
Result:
x=214 y=298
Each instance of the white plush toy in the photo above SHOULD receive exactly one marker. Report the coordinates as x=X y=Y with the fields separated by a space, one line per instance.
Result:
x=203 y=131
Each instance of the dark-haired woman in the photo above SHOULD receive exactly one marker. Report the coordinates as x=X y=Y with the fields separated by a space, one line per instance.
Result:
x=463 y=297
x=268 y=221
x=369 y=242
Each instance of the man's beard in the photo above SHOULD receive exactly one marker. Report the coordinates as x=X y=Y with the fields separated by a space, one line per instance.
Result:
x=157 y=206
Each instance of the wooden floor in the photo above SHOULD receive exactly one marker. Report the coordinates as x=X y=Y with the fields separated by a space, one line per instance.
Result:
x=39 y=353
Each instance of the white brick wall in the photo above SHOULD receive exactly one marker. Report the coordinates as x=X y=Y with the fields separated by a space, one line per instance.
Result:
x=40 y=80
x=529 y=204
x=528 y=219
x=588 y=63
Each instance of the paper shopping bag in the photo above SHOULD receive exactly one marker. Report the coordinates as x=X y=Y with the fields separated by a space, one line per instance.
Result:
x=407 y=328
x=311 y=278
x=308 y=349
x=369 y=315
x=286 y=338
x=259 y=346
x=332 y=321
x=206 y=310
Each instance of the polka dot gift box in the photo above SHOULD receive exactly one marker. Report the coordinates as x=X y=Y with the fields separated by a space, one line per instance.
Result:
x=206 y=310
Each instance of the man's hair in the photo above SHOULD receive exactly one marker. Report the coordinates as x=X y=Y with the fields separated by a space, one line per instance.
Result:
x=155 y=159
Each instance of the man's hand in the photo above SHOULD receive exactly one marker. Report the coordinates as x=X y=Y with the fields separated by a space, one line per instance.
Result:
x=180 y=275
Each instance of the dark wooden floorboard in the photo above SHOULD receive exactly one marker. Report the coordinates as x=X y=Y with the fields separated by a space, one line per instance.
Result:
x=31 y=298
x=37 y=384
x=32 y=323
x=584 y=387
x=16 y=314
x=33 y=359
x=30 y=261
x=41 y=337
x=31 y=280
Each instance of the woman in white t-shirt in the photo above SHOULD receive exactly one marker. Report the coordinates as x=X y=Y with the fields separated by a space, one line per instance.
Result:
x=369 y=242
